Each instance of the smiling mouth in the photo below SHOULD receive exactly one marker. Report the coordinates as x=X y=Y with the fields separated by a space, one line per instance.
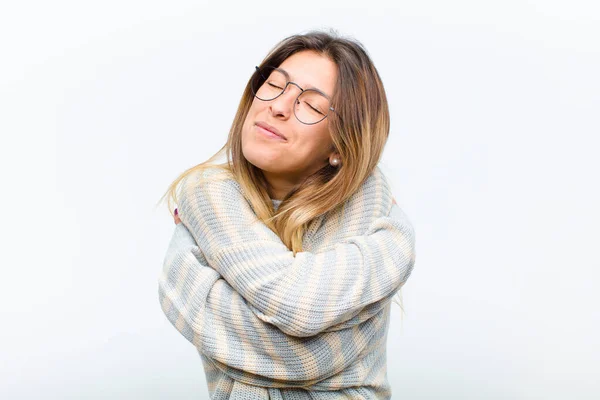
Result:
x=268 y=133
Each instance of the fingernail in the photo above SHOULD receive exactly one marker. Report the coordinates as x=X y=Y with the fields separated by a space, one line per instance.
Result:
x=175 y=211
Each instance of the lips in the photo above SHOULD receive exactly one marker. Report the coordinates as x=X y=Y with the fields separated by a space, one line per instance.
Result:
x=270 y=128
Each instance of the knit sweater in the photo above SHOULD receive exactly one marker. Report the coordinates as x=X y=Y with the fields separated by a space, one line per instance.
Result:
x=271 y=325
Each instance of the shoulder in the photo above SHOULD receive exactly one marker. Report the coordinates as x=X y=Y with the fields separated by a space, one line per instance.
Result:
x=212 y=182
x=206 y=175
x=399 y=216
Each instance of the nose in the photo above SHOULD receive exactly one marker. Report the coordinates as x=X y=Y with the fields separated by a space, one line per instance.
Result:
x=283 y=104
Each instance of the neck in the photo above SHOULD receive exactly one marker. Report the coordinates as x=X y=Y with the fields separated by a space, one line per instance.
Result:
x=279 y=186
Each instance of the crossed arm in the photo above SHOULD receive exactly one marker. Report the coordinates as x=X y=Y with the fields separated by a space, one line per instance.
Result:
x=209 y=313
x=309 y=293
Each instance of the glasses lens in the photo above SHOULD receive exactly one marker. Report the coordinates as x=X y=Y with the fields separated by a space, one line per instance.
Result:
x=311 y=107
x=268 y=83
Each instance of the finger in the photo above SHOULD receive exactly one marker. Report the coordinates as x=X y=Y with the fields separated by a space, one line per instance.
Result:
x=176 y=217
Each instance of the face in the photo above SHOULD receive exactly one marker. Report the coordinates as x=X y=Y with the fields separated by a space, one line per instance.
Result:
x=306 y=148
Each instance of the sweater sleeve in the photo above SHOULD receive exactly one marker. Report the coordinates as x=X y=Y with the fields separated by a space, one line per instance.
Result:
x=309 y=293
x=209 y=313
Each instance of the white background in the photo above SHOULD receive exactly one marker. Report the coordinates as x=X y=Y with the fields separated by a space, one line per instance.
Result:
x=493 y=154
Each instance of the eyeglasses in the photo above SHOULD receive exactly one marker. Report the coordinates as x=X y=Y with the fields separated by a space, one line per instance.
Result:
x=311 y=105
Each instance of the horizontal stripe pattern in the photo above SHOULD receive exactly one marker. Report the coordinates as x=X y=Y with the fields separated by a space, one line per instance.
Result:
x=270 y=325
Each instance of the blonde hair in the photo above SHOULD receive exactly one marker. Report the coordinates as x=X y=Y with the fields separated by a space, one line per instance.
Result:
x=359 y=130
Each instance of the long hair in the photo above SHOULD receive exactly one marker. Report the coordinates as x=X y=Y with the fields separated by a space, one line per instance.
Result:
x=359 y=130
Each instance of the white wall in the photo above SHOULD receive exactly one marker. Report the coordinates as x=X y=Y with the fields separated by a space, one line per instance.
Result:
x=492 y=153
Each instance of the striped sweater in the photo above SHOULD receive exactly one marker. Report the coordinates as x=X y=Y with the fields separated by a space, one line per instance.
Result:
x=271 y=325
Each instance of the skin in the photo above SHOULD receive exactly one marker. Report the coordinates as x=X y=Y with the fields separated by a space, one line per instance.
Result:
x=307 y=148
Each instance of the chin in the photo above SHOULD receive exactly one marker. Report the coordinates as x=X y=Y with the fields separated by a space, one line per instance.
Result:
x=259 y=157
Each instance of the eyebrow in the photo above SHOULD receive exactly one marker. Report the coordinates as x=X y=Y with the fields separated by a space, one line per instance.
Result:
x=307 y=87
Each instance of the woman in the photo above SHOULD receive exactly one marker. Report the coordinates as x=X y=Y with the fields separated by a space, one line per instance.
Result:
x=284 y=267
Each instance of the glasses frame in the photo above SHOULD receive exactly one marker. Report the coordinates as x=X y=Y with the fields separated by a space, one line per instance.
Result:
x=288 y=81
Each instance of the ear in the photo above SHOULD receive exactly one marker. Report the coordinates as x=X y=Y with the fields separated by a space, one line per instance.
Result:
x=333 y=152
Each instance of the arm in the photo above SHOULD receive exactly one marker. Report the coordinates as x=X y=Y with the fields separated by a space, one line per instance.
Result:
x=309 y=293
x=205 y=309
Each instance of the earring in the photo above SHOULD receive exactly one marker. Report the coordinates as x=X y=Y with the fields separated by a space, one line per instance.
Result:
x=335 y=162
